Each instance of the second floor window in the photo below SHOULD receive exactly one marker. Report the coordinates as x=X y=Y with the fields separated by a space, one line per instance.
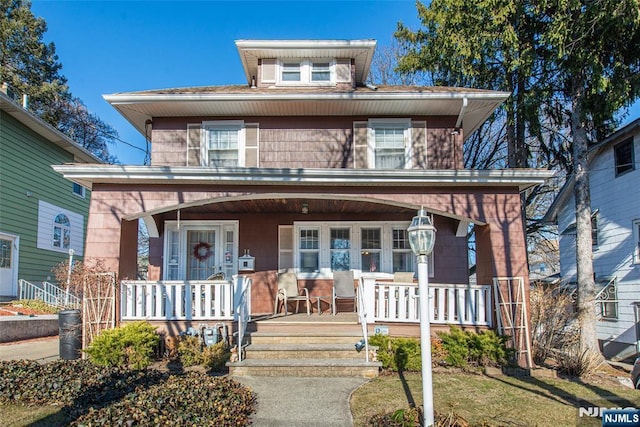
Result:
x=224 y=143
x=389 y=143
x=624 y=157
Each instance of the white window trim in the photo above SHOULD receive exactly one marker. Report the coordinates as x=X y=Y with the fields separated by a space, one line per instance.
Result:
x=636 y=241
x=223 y=124
x=182 y=227
x=372 y=124
x=324 y=271
x=306 y=66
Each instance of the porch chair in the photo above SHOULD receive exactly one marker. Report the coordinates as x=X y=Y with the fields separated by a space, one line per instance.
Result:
x=343 y=289
x=288 y=291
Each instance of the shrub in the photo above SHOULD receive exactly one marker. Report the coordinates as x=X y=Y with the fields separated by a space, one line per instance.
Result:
x=464 y=348
x=94 y=395
x=130 y=345
x=215 y=356
x=551 y=317
x=398 y=354
x=190 y=350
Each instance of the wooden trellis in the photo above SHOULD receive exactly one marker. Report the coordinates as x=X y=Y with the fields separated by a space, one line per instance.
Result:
x=99 y=305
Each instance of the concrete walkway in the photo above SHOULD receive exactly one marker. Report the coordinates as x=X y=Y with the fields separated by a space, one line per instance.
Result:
x=310 y=402
x=282 y=401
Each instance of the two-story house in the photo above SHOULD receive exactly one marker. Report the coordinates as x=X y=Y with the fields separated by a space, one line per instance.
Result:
x=42 y=215
x=305 y=167
x=614 y=179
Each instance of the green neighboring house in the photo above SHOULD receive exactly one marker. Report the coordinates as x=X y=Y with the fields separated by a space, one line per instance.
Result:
x=42 y=215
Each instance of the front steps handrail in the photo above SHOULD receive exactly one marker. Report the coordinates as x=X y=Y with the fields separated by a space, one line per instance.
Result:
x=48 y=293
x=243 y=313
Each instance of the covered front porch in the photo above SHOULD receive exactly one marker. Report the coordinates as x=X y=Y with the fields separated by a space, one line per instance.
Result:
x=382 y=302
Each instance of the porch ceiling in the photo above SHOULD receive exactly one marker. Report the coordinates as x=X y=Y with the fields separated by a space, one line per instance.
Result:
x=295 y=206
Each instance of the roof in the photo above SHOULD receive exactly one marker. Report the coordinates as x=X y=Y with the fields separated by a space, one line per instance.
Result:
x=551 y=217
x=46 y=131
x=253 y=50
x=471 y=106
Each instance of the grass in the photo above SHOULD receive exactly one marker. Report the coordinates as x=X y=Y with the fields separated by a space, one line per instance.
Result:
x=33 y=416
x=498 y=400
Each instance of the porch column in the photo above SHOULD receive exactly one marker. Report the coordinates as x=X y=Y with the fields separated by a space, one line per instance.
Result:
x=128 y=268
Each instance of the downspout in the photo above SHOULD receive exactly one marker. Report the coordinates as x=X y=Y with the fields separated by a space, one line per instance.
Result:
x=457 y=131
x=463 y=109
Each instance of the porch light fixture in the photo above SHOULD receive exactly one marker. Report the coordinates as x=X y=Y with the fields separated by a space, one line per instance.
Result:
x=305 y=208
x=422 y=238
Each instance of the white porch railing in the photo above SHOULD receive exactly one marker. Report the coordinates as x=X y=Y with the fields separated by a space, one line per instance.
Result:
x=454 y=304
x=178 y=300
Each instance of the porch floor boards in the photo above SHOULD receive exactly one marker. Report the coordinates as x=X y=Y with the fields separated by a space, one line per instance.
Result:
x=299 y=345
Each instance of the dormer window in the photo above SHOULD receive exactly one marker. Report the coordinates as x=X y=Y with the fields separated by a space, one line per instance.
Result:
x=291 y=72
x=321 y=72
x=306 y=72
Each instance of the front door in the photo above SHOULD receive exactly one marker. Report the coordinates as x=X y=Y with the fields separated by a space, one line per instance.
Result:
x=8 y=265
x=196 y=250
x=203 y=255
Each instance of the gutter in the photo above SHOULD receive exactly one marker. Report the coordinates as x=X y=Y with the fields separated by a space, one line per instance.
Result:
x=88 y=175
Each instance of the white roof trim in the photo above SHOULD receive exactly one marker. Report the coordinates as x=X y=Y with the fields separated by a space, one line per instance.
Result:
x=88 y=175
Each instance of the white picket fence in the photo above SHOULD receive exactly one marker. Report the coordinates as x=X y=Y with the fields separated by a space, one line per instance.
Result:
x=49 y=293
x=452 y=304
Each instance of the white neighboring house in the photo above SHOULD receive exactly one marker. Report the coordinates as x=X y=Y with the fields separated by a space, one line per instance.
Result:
x=614 y=178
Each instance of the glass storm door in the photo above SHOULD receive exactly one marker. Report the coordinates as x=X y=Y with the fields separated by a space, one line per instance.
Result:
x=8 y=266
x=203 y=251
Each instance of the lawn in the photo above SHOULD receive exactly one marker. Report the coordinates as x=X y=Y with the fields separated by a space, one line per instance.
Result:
x=497 y=400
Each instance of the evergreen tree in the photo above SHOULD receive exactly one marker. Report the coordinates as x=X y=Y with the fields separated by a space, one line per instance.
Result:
x=31 y=67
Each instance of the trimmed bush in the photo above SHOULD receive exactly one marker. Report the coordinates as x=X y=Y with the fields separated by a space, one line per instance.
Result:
x=131 y=345
x=464 y=348
x=398 y=354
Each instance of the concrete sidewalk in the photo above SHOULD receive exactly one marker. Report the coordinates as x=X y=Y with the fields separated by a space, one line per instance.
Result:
x=44 y=349
x=282 y=401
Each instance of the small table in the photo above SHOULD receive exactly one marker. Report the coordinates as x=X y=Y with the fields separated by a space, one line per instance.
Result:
x=326 y=298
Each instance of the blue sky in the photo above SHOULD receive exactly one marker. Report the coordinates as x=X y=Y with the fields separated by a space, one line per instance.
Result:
x=120 y=46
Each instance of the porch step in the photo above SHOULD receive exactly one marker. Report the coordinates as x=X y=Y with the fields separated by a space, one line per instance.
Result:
x=305 y=351
x=323 y=367
x=305 y=346
x=305 y=337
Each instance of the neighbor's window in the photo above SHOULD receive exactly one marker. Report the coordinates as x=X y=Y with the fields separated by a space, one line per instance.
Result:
x=594 y=228
x=389 y=142
x=321 y=72
x=636 y=239
x=624 y=157
x=5 y=253
x=608 y=301
x=371 y=248
x=78 y=190
x=309 y=250
x=224 y=142
x=61 y=232
x=340 y=247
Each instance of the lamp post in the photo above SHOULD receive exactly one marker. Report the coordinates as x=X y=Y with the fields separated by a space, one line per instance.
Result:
x=422 y=237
